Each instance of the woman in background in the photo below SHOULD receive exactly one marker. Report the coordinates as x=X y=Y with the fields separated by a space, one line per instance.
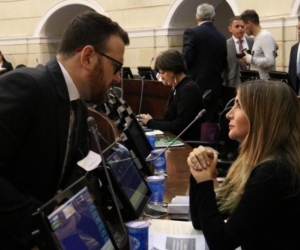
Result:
x=260 y=196
x=4 y=64
x=185 y=100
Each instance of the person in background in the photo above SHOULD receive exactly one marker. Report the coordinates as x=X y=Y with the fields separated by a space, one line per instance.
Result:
x=20 y=66
x=263 y=54
x=294 y=65
x=235 y=45
x=185 y=100
x=260 y=197
x=204 y=50
x=4 y=64
x=43 y=120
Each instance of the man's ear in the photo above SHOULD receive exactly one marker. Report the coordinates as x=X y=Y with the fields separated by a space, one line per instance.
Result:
x=86 y=57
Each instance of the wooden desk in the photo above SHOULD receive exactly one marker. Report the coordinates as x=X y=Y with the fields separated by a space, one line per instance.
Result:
x=176 y=184
x=155 y=96
x=178 y=171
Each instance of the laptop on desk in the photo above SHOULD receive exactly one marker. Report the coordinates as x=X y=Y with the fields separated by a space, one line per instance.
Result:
x=71 y=221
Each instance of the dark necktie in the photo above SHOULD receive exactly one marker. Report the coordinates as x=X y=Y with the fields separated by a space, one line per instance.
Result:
x=242 y=63
x=74 y=107
x=298 y=65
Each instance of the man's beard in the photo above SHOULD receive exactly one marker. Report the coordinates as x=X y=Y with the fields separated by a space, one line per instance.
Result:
x=98 y=89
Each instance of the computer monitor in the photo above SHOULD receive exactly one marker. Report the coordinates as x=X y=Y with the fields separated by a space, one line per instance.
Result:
x=281 y=76
x=139 y=146
x=147 y=72
x=71 y=221
x=129 y=184
x=248 y=75
x=126 y=73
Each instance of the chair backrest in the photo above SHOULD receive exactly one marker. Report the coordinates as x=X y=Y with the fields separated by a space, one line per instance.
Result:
x=106 y=127
x=230 y=103
x=206 y=94
x=227 y=147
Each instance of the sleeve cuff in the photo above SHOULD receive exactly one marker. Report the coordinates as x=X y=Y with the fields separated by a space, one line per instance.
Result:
x=248 y=58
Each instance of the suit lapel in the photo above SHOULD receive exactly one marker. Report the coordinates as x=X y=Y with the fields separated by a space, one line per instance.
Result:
x=232 y=47
x=62 y=109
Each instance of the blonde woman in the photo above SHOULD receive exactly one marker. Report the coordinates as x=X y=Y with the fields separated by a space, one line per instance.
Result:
x=260 y=197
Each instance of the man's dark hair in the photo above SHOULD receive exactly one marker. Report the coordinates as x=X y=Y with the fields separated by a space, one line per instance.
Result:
x=250 y=15
x=234 y=18
x=171 y=60
x=89 y=28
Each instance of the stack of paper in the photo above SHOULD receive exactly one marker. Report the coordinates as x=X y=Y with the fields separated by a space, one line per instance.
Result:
x=166 y=234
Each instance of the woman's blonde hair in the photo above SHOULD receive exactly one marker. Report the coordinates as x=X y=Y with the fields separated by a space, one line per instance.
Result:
x=273 y=113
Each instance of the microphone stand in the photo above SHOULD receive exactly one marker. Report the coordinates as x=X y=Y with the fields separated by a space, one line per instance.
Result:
x=142 y=93
x=93 y=129
x=199 y=115
x=122 y=80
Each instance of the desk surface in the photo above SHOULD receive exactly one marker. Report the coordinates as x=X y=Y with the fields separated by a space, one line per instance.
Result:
x=177 y=182
x=178 y=170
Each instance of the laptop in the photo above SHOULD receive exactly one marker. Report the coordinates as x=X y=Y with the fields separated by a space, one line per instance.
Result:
x=72 y=221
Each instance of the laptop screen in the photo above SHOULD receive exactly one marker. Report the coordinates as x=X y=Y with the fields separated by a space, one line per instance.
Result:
x=75 y=220
x=129 y=180
x=136 y=141
x=77 y=224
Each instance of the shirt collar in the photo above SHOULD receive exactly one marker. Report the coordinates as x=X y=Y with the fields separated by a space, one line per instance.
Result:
x=72 y=89
x=236 y=39
x=204 y=22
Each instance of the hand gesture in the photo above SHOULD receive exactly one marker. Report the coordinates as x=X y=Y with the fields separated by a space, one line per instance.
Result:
x=202 y=162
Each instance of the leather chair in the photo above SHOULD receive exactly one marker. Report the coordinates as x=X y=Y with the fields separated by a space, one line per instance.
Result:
x=227 y=148
x=108 y=131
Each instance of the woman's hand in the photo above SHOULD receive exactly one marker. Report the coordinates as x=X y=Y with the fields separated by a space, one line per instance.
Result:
x=144 y=118
x=202 y=162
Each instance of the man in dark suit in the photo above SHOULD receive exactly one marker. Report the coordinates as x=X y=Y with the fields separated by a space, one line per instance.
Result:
x=294 y=61
x=204 y=49
x=39 y=143
x=234 y=64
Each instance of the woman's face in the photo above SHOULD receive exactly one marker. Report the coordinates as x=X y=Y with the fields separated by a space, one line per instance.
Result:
x=167 y=77
x=238 y=122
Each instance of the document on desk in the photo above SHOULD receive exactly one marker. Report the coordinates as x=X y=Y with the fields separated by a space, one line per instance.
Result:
x=175 y=235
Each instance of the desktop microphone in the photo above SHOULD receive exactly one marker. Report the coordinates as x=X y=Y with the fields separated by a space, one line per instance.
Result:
x=94 y=130
x=122 y=73
x=151 y=61
x=142 y=93
x=199 y=115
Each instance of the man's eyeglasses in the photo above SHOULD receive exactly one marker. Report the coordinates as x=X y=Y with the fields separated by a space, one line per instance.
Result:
x=119 y=65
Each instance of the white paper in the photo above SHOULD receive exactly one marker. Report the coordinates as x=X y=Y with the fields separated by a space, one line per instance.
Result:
x=176 y=242
x=155 y=132
x=161 y=231
x=179 y=199
x=90 y=162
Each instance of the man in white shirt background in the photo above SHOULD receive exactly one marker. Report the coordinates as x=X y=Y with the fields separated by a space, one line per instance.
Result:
x=262 y=57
